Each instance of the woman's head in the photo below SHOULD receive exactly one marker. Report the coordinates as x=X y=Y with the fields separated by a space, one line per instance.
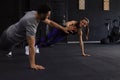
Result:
x=84 y=22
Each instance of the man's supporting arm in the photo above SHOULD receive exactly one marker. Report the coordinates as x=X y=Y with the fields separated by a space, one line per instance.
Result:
x=31 y=44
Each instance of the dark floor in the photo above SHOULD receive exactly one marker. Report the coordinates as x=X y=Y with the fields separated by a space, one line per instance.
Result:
x=63 y=62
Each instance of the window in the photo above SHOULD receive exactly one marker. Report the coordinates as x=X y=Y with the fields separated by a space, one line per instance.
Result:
x=106 y=5
x=81 y=4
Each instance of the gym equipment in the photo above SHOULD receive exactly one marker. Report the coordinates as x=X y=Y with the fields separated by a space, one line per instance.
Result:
x=113 y=34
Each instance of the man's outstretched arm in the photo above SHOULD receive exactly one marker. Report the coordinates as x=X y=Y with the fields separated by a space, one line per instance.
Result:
x=56 y=25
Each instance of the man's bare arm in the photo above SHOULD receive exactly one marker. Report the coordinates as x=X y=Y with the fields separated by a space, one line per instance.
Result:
x=31 y=44
x=56 y=25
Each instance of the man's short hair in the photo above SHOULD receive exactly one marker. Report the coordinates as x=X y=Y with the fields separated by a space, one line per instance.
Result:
x=43 y=9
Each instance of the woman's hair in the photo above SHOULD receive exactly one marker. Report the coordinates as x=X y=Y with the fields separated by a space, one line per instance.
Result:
x=77 y=24
x=84 y=18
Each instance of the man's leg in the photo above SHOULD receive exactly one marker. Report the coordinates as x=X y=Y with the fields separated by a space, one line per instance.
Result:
x=5 y=44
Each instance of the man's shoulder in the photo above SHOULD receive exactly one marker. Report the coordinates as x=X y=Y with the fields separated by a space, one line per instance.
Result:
x=27 y=20
x=30 y=15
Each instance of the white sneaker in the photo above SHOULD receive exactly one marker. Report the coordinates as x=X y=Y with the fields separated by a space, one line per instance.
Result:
x=37 y=49
x=27 y=50
x=9 y=54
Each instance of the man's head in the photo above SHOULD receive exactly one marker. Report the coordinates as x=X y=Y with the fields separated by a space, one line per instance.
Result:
x=44 y=11
x=84 y=22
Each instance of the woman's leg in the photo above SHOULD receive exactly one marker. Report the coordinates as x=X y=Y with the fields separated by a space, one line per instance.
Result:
x=53 y=37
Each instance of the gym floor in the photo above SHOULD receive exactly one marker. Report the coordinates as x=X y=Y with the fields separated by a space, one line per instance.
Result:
x=64 y=62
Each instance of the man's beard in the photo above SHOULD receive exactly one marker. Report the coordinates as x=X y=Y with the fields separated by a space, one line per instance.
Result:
x=42 y=18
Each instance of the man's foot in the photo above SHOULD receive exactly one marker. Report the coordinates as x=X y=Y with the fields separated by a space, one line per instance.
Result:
x=85 y=55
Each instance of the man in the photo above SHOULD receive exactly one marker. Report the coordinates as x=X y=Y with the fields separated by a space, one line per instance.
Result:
x=25 y=29
x=57 y=35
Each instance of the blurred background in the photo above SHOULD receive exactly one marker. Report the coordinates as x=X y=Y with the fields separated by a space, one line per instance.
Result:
x=62 y=11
